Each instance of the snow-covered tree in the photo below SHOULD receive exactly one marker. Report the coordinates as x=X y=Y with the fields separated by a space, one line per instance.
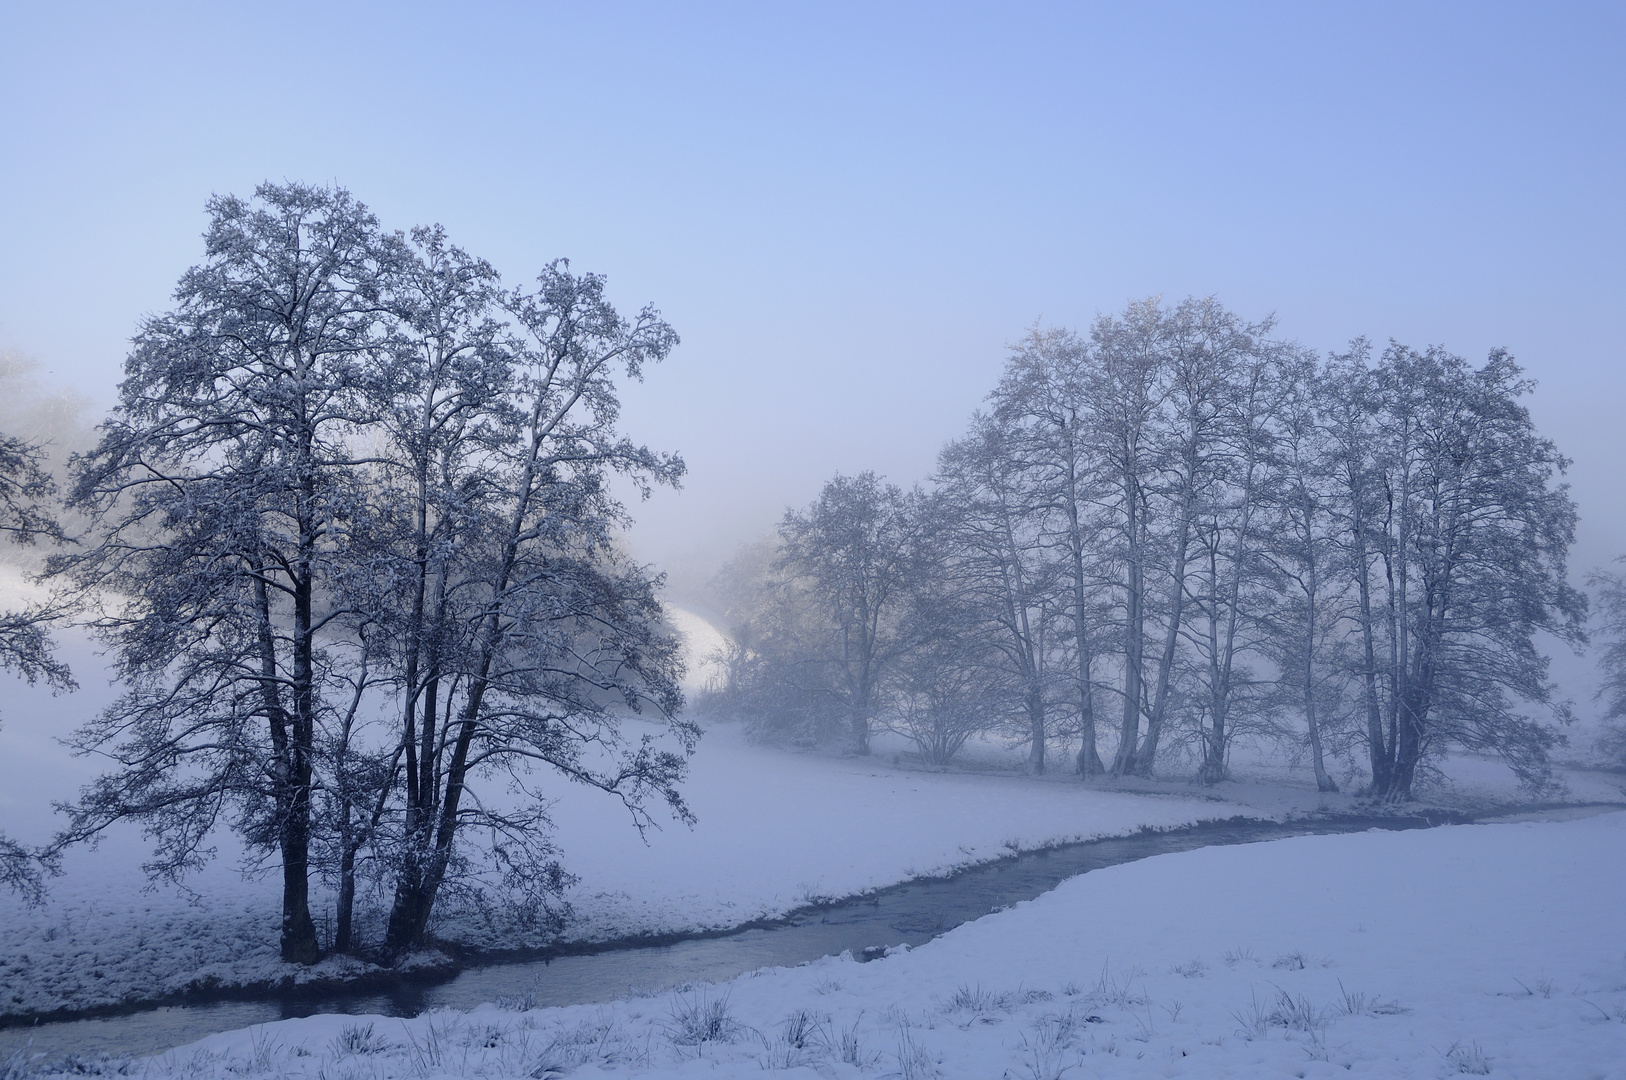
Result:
x=549 y=634
x=853 y=550
x=1042 y=395
x=1000 y=567
x=354 y=551
x=27 y=498
x=1225 y=532
x=1610 y=590
x=223 y=491
x=1468 y=529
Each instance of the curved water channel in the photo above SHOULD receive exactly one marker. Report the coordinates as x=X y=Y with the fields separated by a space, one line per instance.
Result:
x=911 y=913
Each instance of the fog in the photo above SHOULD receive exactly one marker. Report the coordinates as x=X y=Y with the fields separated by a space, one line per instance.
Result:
x=848 y=214
x=851 y=214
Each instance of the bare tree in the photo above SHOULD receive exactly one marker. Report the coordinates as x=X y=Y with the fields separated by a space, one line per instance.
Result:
x=1481 y=534
x=222 y=489
x=355 y=549
x=1349 y=405
x=559 y=635
x=1126 y=390
x=777 y=672
x=1301 y=548
x=1610 y=590
x=854 y=548
x=1000 y=564
x=1211 y=355
x=1043 y=398
x=26 y=497
x=951 y=686
x=444 y=373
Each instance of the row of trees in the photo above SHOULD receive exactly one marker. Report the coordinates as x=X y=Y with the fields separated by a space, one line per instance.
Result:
x=1178 y=529
x=351 y=543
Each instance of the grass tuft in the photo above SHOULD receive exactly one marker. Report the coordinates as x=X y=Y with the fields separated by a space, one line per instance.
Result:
x=356 y=1039
x=1470 y=1059
x=1046 y=1049
x=1290 y=1011
x=1358 y=1003
x=916 y=1062
x=697 y=1018
x=981 y=1004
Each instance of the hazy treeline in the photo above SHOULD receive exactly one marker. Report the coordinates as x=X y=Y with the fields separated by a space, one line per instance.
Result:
x=348 y=538
x=1174 y=531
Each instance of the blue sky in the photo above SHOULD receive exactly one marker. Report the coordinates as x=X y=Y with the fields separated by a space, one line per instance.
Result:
x=848 y=210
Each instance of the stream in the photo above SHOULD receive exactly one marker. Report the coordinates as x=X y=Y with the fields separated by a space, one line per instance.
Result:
x=911 y=913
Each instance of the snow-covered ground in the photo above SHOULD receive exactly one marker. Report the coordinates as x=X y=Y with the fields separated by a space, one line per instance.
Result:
x=1479 y=949
x=776 y=830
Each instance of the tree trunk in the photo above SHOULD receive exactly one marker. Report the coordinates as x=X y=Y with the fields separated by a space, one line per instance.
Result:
x=1377 y=747
x=1146 y=756
x=299 y=943
x=1034 y=700
x=298 y=934
x=347 y=899
x=1089 y=757
x=1323 y=782
x=1413 y=711
x=1134 y=642
x=429 y=850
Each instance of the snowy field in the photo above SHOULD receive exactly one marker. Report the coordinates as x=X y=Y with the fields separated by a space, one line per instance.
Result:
x=1482 y=950
x=776 y=831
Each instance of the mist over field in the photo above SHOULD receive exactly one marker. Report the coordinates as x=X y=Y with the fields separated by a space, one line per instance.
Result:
x=925 y=541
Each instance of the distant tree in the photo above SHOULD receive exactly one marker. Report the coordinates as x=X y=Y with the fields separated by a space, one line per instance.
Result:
x=1206 y=454
x=1610 y=590
x=1164 y=434
x=1002 y=570
x=1126 y=391
x=1360 y=508
x=949 y=690
x=776 y=674
x=26 y=497
x=1042 y=396
x=1185 y=512
x=1302 y=550
x=1234 y=589
x=1474 y=557
x=852 y=549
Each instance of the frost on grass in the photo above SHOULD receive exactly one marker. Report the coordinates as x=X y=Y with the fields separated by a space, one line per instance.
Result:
x=601 y=1041
x=1047 y=1048
x=356 y=1039
x=1470 y=1059
x=915 y=1060
x=1291 y=1012
x=1293 y=961
x=701 y=1016
x=1360 y=1003
x=927 y=1013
